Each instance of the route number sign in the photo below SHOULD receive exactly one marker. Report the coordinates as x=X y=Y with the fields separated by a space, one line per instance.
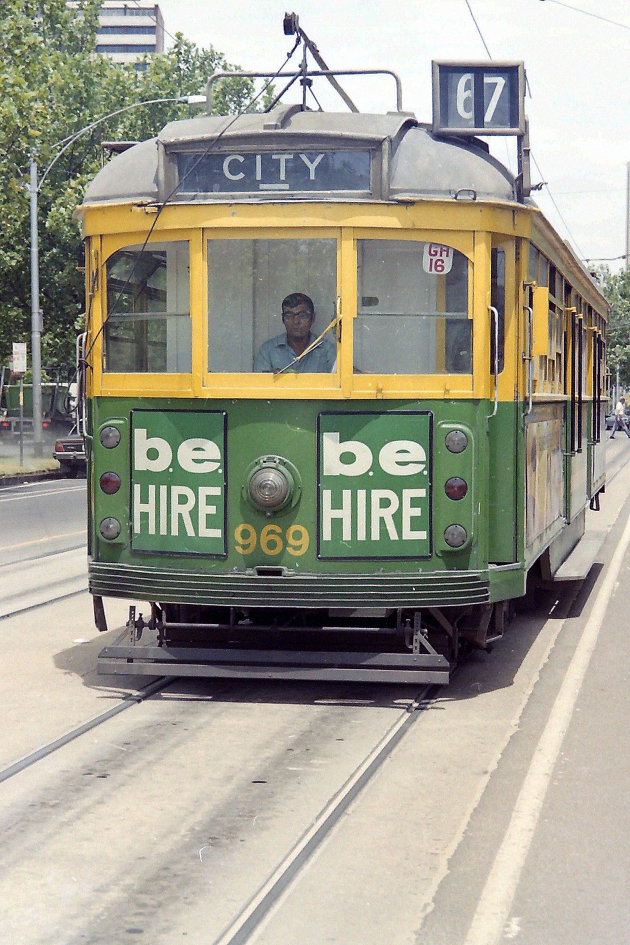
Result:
x=478 y=98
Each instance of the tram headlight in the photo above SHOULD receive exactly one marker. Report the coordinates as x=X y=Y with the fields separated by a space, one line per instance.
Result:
x=456 y=487
x=110 y=528
x=271 y=484
x=455 y=536
x=109 y=437
x=456 y=441
x=109 y=483
x=269 y=488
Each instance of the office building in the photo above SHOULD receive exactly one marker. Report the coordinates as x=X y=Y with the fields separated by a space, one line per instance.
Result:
x=128 y=29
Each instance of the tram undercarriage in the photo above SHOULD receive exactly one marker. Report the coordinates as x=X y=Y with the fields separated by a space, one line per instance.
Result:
x=375 y=645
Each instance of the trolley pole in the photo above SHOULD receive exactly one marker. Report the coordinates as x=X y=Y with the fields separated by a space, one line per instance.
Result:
x=36 y=319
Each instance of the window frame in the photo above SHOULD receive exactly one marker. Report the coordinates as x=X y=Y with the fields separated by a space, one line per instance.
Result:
x=137 y=384
x=408 y=385
x=248 y=383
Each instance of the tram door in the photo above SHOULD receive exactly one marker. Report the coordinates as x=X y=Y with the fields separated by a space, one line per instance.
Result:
x=503 y=424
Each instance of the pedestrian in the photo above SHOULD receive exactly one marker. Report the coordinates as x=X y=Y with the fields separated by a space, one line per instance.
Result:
x=621 y=422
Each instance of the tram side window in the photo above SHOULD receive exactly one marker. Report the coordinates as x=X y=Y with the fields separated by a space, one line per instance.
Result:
x=148 y=327
x=497 y=300
x=248 y=280
x=412 y=309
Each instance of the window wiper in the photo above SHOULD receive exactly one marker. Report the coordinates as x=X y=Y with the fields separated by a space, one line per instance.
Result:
x=314 y=344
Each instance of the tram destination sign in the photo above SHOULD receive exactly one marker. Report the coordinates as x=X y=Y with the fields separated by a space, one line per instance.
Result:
x=478 y=98
x=275 y=171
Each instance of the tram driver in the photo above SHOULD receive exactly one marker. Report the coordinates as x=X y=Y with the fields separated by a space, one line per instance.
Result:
x=287 y=350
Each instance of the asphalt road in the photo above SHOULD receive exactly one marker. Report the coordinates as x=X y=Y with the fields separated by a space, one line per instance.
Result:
x=42 y=518
x=43 y=551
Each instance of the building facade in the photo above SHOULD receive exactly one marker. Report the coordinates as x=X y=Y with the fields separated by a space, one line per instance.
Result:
x=129 y=29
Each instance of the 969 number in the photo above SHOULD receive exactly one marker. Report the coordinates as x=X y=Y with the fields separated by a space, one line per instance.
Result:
x=272 y=539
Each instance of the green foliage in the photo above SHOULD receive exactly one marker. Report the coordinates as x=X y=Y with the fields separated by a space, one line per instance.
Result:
x=616 y=288
x=52 y=85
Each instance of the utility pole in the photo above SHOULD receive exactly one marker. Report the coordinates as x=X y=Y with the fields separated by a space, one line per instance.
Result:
x=628 y=217
x=36 y=320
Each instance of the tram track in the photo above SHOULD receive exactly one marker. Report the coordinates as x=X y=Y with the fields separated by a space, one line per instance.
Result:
x=50 y=747
x=293 y=852
x=253 y=913
x=42 y=580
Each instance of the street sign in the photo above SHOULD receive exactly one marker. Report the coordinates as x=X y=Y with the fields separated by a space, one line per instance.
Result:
x=19 y=357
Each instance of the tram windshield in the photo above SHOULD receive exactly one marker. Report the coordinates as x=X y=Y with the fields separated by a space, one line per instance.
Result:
x=412 y=309
x=148 y=326
x=258 y=319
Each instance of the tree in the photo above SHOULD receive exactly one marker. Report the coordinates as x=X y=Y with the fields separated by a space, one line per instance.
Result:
x=616 y=288
x=52 y=85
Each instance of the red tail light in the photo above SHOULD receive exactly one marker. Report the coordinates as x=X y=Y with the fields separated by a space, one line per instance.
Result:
x=109 y=483
x=456 y=488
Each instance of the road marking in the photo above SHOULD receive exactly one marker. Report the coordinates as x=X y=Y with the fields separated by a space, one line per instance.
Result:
x=498 y=894
x=38 y=541
x=39 y=495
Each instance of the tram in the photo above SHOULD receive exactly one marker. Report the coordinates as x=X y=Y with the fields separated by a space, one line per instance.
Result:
x=344 y=388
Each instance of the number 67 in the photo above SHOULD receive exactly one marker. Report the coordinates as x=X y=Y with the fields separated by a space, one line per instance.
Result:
x=465 y=98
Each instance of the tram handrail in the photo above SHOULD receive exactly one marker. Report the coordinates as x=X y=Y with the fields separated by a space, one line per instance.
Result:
x=529 y=357
x=296 y=75
x=495 y=316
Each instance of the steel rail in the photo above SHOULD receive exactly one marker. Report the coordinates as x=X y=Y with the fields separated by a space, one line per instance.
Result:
x=255 y=910
x=42 y=556
x=43 y=603
x=70 y=736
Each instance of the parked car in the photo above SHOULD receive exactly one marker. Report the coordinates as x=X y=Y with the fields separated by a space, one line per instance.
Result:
x=70 y=453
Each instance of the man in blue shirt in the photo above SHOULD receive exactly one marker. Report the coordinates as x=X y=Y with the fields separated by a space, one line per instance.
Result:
x=298 y=314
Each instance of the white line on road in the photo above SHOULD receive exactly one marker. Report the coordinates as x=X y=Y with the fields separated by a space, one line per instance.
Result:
x=498 y=894
x=38 y=495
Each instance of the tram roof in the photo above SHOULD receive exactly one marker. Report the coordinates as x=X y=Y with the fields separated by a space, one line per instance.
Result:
x=415 y=163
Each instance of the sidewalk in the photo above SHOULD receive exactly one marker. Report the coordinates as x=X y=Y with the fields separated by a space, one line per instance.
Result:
x=31 y=467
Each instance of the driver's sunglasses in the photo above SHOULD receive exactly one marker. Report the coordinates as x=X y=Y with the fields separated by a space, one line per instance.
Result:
x=303 y=316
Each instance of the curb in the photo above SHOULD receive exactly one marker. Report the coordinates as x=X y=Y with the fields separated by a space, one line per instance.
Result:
x=41 y=475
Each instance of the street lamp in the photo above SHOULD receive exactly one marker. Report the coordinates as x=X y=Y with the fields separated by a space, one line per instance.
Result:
x=36 y=314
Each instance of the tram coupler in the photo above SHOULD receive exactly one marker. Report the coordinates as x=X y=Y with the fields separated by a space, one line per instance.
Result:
x=416 y=640
x=135 y=626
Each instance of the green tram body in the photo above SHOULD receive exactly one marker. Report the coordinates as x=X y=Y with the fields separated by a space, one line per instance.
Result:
x=357 y=575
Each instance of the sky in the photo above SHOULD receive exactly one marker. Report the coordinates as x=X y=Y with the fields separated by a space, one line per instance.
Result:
x=577 y=60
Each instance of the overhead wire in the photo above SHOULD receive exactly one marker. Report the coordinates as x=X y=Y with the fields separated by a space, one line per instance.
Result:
x=545 y=184
x=485 y=46
x=151 y=16
x=169 y=197
x=478 y=29
x=606 y=258
x=596 y=16
x=625 y=26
